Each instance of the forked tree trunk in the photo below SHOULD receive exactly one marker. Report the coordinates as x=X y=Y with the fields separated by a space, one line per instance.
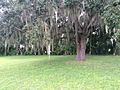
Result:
x=81 y=48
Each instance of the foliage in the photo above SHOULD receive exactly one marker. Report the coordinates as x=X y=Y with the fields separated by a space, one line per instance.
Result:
x=112 y=15
x=36 y=24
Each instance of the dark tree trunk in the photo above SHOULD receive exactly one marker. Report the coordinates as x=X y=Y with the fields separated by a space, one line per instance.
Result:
x=81 y=48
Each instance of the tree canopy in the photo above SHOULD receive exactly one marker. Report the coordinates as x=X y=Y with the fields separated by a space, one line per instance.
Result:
x=59 y=27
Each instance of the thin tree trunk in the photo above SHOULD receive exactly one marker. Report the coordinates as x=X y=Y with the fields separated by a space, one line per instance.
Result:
x=52 y=45
x=8 y=48
x=48 y=49
x=5 y=53
x=5 y=45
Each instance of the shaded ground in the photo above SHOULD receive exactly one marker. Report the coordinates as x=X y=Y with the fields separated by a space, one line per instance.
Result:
x=59 y=73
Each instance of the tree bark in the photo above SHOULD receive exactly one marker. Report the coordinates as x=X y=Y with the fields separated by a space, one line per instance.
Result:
x=81 y=48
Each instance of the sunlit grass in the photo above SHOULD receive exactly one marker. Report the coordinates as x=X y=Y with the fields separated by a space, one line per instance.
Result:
x=59 y=73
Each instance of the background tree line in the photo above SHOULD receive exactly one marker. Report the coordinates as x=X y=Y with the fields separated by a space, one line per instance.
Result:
x=59 y=27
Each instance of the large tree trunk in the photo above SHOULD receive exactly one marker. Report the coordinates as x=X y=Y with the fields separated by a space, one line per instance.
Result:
x=81 y=48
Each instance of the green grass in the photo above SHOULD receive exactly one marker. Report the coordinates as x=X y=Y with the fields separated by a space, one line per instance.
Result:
x=59 y=73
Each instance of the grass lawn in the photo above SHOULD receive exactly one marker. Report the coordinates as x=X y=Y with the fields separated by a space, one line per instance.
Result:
x=59 y=73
